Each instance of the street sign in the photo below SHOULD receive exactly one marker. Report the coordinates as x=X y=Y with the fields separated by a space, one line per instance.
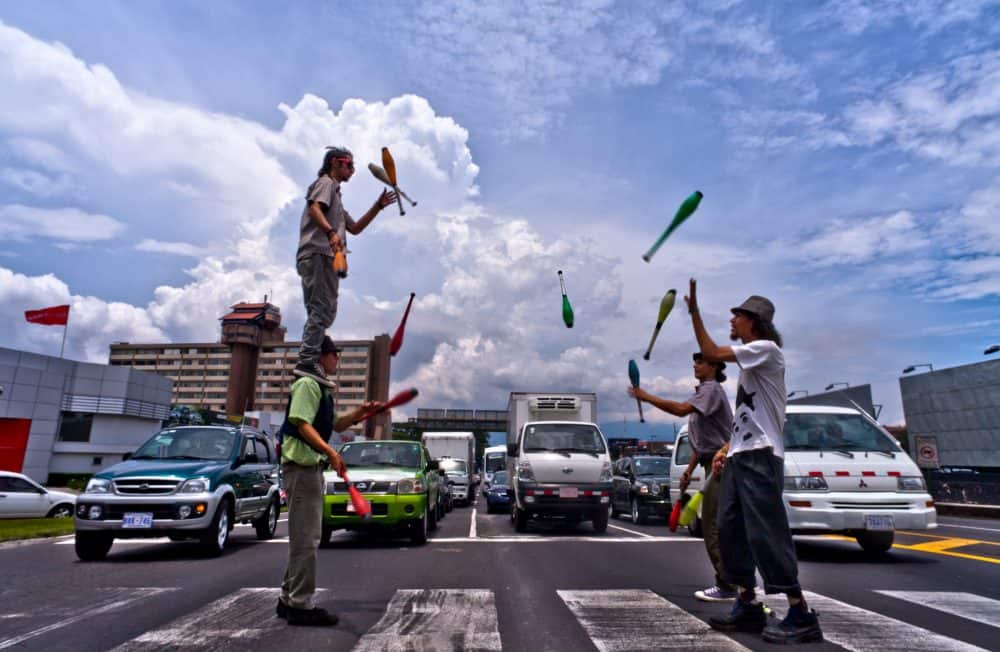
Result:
x=927 y=452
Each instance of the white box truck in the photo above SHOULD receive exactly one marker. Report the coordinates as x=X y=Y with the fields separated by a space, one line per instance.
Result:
x=456 y=454
x=557 y=459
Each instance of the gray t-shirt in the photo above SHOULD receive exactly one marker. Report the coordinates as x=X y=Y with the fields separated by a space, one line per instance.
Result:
x=312 y=240
x=710 y=425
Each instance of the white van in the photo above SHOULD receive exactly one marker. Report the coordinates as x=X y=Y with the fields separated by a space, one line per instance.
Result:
x=845 y=474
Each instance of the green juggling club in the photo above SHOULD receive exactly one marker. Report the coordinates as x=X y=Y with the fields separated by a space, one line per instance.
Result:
x=666 y=305
x=633 y=376
x=687 y=208
x=567 y=309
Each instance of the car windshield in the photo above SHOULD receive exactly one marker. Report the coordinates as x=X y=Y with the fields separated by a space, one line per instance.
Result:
x=189 y=444
x=652 y=466
x=374 y=453
x=564 y=437
x=500 y=478
x=495 y=462
x=842 y=432
x=452 y=466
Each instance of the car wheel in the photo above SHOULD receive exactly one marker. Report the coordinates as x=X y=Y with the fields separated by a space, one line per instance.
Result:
x=875 y=543
x=614 y=510
x=213 y=540
x=638 y=516
x=432 y=519
x=93 y=546
x=64 y=510
x=418 y=530
x=600 y=520
x=268 y=522
x=694 y=527
x=441 y=510
x=324 y=535
x=520 y=519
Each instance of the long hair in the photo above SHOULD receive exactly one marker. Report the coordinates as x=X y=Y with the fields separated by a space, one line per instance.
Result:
x=328 y=158
x=765 y=330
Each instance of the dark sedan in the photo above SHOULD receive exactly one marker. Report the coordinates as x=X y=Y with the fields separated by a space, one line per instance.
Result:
x=498 y=495
x=641 y=487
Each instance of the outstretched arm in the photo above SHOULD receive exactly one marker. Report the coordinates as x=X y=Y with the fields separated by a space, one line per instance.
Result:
x=709 y=349
x=672 y=407
x=385 y=199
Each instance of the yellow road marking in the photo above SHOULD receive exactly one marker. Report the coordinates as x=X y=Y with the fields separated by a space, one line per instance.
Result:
x=941 y=546
x=948 y=553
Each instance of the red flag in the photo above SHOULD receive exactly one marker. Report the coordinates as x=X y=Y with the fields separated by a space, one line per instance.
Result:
x=53 y=316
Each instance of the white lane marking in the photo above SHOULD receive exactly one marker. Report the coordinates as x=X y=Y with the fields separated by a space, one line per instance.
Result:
x=131 y=595
x=472 y=524
x=638 y=619
x=561 y=539
x=436 y=619
x=859 y=629
x=635 y=532
x=965 y=605
x=244 y=615
x=966 y=527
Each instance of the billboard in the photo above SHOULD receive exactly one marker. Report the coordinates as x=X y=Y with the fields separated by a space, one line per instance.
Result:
x=847 y=397
x=959 y=408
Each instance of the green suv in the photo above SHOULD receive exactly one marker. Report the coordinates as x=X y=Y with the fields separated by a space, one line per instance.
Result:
x=398 y=478
x=193 y=482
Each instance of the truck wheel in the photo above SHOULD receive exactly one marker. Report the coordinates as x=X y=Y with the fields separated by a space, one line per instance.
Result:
x=875 y=543
x=418 y=530
x=93 y=546
x=520 y=519
x=638 y=516
x=213 y=540
x=324 y=535
x=600 y=520
x=694 y=527
x=268 y=522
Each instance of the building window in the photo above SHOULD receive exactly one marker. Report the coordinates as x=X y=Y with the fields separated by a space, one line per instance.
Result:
x=75 y=426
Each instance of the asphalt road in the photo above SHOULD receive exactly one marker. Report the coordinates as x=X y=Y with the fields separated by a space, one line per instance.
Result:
x=479 y=585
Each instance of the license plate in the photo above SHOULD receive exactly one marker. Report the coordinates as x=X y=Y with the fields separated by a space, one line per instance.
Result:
x=137 y=520
x=879 y=522
x=569 y=492
x=350 y=508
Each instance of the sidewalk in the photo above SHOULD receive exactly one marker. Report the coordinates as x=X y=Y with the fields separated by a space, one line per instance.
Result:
x=968 y=509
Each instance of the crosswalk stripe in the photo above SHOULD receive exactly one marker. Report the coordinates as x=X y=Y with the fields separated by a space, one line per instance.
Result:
x=859 y=629
x=436 y=619
x=639 y=619
x=965 y=605
x=242 y=616
x=109 y=601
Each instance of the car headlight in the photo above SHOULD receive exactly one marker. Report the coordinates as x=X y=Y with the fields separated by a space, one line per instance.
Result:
x=525 y=472
x=98 y=486
x=805 y=483
x=605 y=472
x=910 y=483
x=331 y=487
x=643 y=489
x=410 y=486
x=195 y=486
x=655 y=487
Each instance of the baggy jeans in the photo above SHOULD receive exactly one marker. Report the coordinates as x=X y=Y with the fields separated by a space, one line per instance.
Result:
x=753 y=524
x=304 y=486
x=320 y=286
x=709 y=522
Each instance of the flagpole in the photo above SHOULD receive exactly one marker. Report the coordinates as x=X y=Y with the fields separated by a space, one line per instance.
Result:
x=65 y=328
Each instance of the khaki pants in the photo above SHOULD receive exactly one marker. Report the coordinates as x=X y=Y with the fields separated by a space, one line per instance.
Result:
x=709 y=523
x=304 y=487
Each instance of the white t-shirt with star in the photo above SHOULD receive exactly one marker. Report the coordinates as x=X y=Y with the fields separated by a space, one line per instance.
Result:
x=760 y=399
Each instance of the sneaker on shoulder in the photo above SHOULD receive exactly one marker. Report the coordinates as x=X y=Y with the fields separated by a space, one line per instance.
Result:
x=744 y=617
x=715 y=594
x=315 y=617
x=799 y=626
x=310 y=370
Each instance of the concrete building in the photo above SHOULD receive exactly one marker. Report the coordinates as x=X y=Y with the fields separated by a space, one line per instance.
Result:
x=62 y=416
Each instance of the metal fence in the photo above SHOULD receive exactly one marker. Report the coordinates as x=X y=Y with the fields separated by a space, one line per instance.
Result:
x=968 y=486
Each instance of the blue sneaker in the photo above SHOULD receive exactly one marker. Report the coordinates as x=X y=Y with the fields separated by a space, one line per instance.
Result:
x=715 y=594
x=744 y=617
x=799 y=626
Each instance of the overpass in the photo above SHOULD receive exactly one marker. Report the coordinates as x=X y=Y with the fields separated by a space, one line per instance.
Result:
x=459 y=420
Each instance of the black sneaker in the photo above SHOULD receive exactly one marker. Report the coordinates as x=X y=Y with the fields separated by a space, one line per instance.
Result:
x=744 y=617
x=313 y=371
x=315 y=617
x=281 y=611
x=799 y=626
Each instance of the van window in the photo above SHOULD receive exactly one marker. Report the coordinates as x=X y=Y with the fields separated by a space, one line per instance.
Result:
x=563 y=437
x=495 y=462
x=846 y=432
x=683 y=457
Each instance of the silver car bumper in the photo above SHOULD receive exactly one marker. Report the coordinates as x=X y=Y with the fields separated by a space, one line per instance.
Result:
x=164 y=510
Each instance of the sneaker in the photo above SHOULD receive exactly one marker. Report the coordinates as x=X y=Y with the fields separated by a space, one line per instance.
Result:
x=799 y=626
x=715 y=594
x=281 y=611
x=307 y=370
x=315 y=617
x=744 y=617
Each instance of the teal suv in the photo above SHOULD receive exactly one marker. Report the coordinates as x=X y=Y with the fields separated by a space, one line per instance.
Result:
x=192 y=482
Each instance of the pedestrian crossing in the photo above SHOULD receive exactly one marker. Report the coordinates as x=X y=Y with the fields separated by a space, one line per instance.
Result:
x=626 y=620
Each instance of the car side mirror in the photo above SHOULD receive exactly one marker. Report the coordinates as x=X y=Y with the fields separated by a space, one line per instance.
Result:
x=126 y=457
x=434 y=464
x=511 y=450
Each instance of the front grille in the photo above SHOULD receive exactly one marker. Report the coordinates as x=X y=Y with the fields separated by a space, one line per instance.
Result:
x=340 y=509
x=365 y=487
x=885 y=505
x=116 y=512
x=145 y=486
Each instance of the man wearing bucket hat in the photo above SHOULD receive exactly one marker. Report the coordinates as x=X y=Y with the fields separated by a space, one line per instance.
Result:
x=710 y=421
x=753 y=526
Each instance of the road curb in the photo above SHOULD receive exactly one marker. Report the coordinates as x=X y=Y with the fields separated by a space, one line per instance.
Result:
x=966 y=509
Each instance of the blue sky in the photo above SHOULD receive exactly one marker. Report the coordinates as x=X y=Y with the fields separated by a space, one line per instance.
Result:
x=153 y=158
